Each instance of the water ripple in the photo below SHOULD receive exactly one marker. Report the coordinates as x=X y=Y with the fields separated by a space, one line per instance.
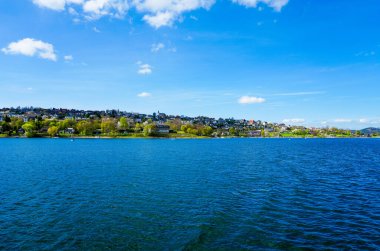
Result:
x=237 y=194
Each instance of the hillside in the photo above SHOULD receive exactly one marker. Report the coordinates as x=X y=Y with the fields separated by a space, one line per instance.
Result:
x=370 y=130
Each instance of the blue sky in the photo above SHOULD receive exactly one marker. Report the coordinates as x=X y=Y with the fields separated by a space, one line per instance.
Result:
x=306 y=62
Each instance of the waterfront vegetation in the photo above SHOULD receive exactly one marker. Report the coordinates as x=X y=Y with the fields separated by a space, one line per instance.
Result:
x=38 y=122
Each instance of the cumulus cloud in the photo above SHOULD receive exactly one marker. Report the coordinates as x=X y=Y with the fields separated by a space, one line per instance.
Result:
x=91 y=9
x=98 y=8
x=31 y=47
x=293 y=121
x=144 y=69
x=166 y=12
x=157 y=47
x=51 y=4
x=251 y=100
x=160 y=19
x=144 y=94
x=275 y=4
x=157 y=13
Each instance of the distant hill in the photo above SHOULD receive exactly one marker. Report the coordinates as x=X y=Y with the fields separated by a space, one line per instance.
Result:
x=370 y=130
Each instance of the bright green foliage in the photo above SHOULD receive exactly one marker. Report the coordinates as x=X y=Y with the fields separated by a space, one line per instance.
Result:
x=85 y=127
x=207 y=131
x=149 y=130
x=108 y=126
x=67 y=123
x=138 y=127
x=123 y=123
x=52 y=131
x=29 y=128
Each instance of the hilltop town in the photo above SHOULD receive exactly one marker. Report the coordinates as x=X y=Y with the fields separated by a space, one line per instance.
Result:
x=53 y=122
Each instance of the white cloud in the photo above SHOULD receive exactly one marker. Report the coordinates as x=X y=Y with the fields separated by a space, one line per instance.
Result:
x=275 y=4
x=369 y=121
x=293 y=121
x=165 y=12
x=250 y=100
x=157 y=13
x=92 y=9
x=99 y=8
x=68 y=58
x=51 y=4
x=157 y=47
x=31 y=47
x=160 y=19
x=341 y=120
x=72 y=11
x=144 y=95
x=144 y=69
x=96 y=30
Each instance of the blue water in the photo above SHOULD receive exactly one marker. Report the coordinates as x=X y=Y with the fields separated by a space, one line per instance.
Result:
x=219 y=194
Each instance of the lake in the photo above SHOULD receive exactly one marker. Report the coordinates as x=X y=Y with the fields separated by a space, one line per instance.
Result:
x=209 y=194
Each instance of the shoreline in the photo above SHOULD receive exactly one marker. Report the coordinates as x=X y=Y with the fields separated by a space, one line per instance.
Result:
x=171 y=138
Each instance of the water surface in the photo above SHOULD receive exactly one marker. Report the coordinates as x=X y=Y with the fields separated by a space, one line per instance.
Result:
x=217 y=194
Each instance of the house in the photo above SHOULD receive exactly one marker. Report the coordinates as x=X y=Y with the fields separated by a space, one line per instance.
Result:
x=254 y=133
x=162 y=129
x=284 y=128
x=69 y=131
x=269 y=129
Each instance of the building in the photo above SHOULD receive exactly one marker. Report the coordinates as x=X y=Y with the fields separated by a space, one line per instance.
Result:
x=255 y=133
x=162 y=129
x=69 y=131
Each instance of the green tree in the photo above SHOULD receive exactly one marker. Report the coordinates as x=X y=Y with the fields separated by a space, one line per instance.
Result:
x=193 y=131
x=149 y=130
x=29 y=128
x=123 y=123
x=207 y=131
x=16 y=123
x=85 y=127
x=232 y=131
x=6 y=128
x=52 y=131
x=67 y=123
x=138 y=127
x=175 y=124
x=108 y=126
